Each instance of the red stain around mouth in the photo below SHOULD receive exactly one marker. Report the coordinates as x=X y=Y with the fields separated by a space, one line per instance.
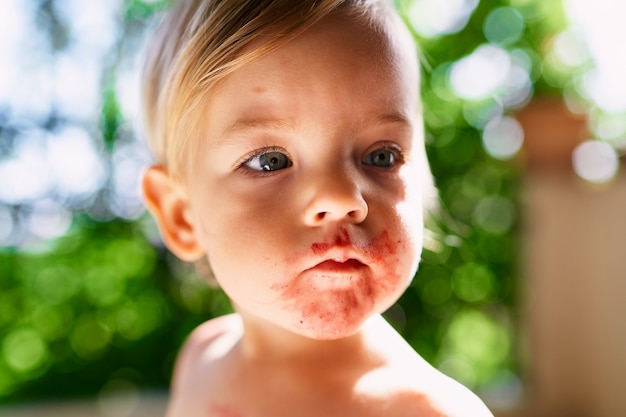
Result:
x=336 y=312
x=377 y=250
x=341 y=240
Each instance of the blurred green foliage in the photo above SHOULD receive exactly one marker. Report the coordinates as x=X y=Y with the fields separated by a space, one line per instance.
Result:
x=106 y=300
x=100 y=301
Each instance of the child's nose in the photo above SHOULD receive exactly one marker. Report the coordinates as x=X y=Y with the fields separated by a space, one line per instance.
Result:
x=336 y=199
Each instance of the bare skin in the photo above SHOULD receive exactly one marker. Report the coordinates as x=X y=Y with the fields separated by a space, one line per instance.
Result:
x=374 y=373
x=306 y=200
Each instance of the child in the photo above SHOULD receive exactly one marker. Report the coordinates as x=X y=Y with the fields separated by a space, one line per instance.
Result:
x=289 y=152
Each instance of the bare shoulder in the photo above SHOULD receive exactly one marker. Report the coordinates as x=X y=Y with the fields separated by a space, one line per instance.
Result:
x=423 y=391
x=415 y=387
x=419 y=390
x=205 y=334
x=207 y=341
x=455 y=400
x=199 y=362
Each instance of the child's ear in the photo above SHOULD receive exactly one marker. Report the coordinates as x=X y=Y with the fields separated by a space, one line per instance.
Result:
x=169 y=205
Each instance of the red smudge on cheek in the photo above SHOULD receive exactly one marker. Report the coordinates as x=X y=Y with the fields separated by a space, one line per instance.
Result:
x=381 y=248
x=383 y=253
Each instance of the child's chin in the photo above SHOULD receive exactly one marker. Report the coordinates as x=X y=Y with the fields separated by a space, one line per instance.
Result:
x=327 y=330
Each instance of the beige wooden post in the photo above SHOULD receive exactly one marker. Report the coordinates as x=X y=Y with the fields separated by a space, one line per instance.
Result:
x=574 y=287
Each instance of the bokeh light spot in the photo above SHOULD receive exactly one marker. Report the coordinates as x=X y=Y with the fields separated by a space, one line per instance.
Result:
x=432 y=18
x=56 y=284
x=494 y=214
x=504 y=26
x=24 y=350
x=103 y=288
x=601 y=23
x=480 y=74
x=610 y=128
x=24 y=175
x=138 y=318
x=75 y=163
x=568 y=50
x=472 y=282
x=595 y=161
x=478 y=339
x=89 y=338
x=503 y=137
x=49 y=219
x=129 y=258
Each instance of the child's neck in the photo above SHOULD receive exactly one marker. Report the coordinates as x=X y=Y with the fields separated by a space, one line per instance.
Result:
x=266 y=342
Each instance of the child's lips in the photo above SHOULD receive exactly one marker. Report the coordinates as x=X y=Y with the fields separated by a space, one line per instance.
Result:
x=340 y=255
x=336 y=266
x=337 y=274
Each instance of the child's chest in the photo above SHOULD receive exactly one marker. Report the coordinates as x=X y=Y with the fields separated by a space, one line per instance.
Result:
x=257 y=393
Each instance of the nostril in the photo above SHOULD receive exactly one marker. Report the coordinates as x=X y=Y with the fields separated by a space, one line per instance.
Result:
x=324 y=210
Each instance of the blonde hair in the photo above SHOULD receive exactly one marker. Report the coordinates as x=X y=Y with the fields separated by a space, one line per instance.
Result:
x=200 y=42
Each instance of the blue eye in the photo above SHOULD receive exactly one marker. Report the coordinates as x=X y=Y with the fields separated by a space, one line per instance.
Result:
x=383 y=158
x=268 y=161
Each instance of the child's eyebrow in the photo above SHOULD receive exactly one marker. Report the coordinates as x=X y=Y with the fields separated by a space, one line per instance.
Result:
x=256 y=123
x=389 y=118
x=244 y=125
x=396 y=119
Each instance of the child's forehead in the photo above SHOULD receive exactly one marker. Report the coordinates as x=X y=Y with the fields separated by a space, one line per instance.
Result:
x=381 y=40
x=338 y=59
x=371 y=62
x=379 y=32
x=322 y=82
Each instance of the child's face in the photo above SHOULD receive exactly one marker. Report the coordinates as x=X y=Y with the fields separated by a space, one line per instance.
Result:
x=306 y=198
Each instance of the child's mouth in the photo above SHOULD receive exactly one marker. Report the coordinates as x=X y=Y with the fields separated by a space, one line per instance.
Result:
x=337 y=274
x=330 y=266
